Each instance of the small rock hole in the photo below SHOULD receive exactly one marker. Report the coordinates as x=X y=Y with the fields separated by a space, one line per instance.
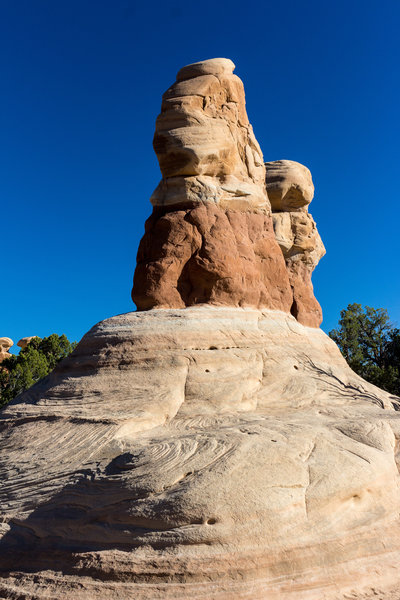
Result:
x=294 y=309
x=296 y=367
x=274 y=440
x=188 y=473
x=211 y=521
x=207 y=370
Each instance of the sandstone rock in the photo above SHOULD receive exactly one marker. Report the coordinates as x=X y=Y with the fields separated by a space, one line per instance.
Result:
x=302 y=247
x=5 y=345
x=283 y=231
x=290 y=189
x=210 y=238
x=213 y=66
x=206 y=448
x=204 y=141
x=209 y=255
x=204 y=452
x=23 y=342
x=289 y=185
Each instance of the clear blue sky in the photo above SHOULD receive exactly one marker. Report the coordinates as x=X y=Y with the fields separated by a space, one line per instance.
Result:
x=81 y=85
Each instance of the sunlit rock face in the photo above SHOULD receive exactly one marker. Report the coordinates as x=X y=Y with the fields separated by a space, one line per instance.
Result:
x=5 y=345
x=210 y=238
x=289 y=185
x=204 y=142
x=290 y=190
x=23 y=342
x=214 y=445
x=200 y=452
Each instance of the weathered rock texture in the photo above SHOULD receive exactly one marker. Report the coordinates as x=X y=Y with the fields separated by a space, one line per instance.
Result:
x=210 y=238
x=23 y=342
x=209 y=255
x=290 y=189
x=5 y=345
x=200 y=453
x=289 y=185
x=205 y=144
x=210 y=452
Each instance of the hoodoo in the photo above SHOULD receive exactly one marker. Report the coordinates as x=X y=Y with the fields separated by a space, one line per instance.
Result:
x=210 y=239
x=214 y=443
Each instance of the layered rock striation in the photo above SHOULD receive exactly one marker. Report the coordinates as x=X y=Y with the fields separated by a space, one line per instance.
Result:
x=210 y=239
x=207 y=452
x=206 y=448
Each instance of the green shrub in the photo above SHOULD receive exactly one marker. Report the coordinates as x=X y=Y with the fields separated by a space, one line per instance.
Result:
x=371 y=345
x=38 y=359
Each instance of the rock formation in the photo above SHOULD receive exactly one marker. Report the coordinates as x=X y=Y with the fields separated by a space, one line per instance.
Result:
x=216 y=450
x=290 y=189
x=289 y=185
x=199 y=453
x=23 y=342
x=5 y=345
x=210 y=239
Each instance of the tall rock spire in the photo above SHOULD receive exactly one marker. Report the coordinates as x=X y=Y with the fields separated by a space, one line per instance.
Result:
x=210 y=239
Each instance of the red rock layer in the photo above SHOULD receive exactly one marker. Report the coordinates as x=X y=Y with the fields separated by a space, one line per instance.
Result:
x=205 y=254
x=305 y=306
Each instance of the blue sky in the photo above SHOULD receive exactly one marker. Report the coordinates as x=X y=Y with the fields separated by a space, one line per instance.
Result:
x=81 y=85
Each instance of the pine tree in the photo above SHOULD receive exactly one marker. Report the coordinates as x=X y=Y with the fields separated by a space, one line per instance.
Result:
x=370 y=344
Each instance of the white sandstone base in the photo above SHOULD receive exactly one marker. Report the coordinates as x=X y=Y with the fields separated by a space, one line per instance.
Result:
x=200 y=453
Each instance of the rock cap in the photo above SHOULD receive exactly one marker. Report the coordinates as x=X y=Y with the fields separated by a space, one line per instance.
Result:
x=211 y=66
x=23 y=342
x=289 y=185
x=5 y=343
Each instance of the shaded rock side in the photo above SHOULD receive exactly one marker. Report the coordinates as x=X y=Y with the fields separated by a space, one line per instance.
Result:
x=210 y=238
x=200 y=453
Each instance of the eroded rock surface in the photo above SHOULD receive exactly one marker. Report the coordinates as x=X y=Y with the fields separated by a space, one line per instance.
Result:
x=290 y=189
x=204 y=448
x=204 y=142
x=23 y=342
x=289 y=185
x=200 y=453
x=206 y=254
x=5 y=345
x=210 y=238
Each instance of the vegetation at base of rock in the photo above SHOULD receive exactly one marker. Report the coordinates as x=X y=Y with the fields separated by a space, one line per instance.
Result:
x=38 y=359
x=371 y=345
